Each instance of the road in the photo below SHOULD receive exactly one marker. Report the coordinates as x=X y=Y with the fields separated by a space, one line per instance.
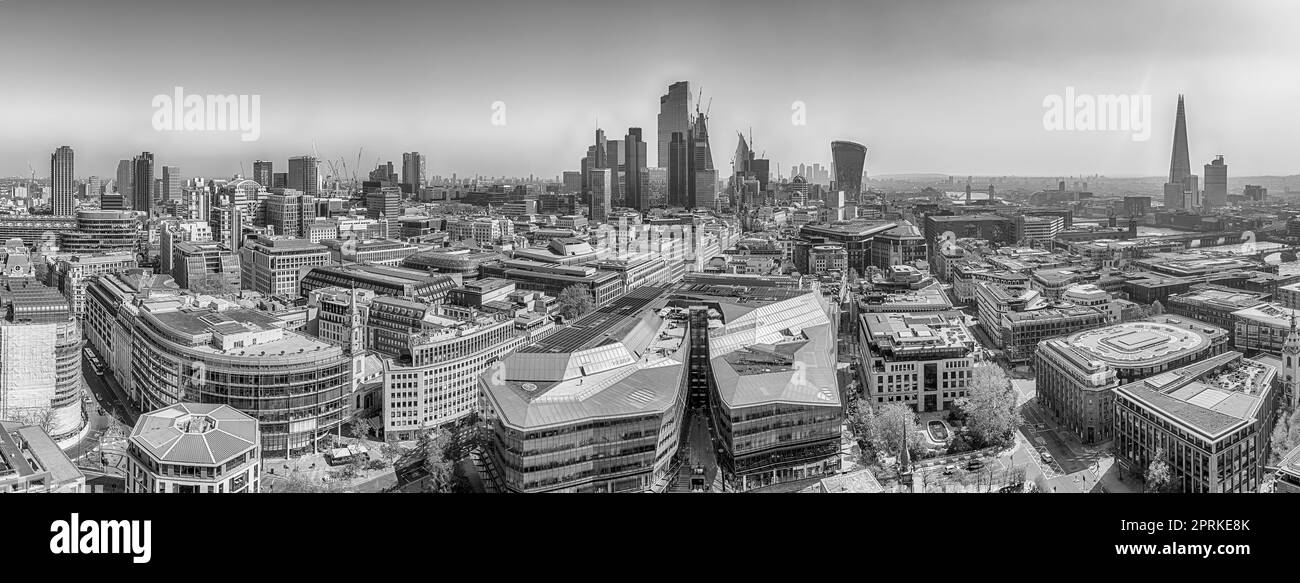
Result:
x=108 y=431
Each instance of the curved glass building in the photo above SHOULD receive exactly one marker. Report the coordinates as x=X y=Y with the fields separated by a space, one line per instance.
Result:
x=850 y=159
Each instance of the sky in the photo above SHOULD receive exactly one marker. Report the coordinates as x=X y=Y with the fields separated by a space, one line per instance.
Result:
x=950 y=87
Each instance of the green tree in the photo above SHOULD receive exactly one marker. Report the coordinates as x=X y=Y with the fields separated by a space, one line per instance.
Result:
x=575 y=301
x=990 y=406
x=1158 y=477
x=391 y=451
x=1286 y=434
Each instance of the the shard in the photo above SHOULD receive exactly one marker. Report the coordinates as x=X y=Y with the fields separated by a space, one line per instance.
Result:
x=1180 y=165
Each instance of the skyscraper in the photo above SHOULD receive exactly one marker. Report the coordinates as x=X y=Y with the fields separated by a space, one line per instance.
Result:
x=303 y=175
x=849 y=159
x=635 y=168
x=702 y=179
x=123 y=185
x=678 y=176
x=1216 y=183
x=412 y=172
x=1180 y=165
x=62 y=185
x=602 y=150
x=602 y=185
x=674 y=116
x=262 y=172
x=93 y=187
x=171 y=183
x=142 y=182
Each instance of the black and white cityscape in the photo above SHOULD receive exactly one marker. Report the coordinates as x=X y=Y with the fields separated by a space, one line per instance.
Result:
x=653 y=247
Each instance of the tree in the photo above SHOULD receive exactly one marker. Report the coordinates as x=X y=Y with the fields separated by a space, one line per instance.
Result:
x=392 y=451
x=990 y=406
x=1286 y=434
x=359 y=429
x=575 y=301
x=1156 y=309
x=891 y=428
x=434 y=445
x=1158 y=476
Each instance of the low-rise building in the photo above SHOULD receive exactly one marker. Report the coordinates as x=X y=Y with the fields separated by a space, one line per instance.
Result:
x=30 y=462
x=1077 y=375
x=1210 y=419
x=193 y=448
x=921 y=360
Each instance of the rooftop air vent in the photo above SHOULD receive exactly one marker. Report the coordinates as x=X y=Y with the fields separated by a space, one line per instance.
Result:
x=530 y=387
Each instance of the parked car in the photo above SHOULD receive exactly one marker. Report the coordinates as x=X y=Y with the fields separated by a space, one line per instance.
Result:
x=949 y=469
x=974 y=465
x=1047 y=457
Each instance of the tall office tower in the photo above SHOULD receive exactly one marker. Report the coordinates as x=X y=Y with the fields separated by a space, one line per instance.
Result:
x=759 y=168
x=601 y=181
x=62 y=186
x=412 y=172
x=1216 y=183
x=93 y=187
x=849 y=158
x=616 y=161
x=587 y=163
x=262 y=173
x=125 y=169
x=601 y=151
x=678 y=175
x=1180 y=166
x=303 y=176
x=142 y=183
x=279 y=180
x=699 y=160
x=635 y=168
x=171 y=183
x=1192 y=193
x=385 y=173
x=674 y=116
x=235 y=234
x=740 y=165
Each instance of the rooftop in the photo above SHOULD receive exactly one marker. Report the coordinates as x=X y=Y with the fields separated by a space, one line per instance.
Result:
x=1214 y=396
x=193 y=433
x=1145 y=343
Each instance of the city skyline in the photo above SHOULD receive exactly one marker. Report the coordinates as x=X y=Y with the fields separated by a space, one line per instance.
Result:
x=933 y=108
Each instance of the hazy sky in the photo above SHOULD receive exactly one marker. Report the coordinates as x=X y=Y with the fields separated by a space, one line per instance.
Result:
x=949 y=87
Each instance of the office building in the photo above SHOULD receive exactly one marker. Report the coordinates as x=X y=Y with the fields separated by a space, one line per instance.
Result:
x=600 y=181
x=1077 y=375
x=289 y=212
x=384 y=202
x=1210 y=419
x=634 y=175
x=72 y=273
x=142 y=184
x=678 y=171
x=63 y=188
x=1216 y=183
x=901 y=245
x=205 y=267
x=680 y=370
x=303 y=175
x=100 y=231
x=125 y=176
x=271 y=265
x=436 y=382
x=194 y=448
x=849 y=160
x=263 y=170
x=386 y=281
x=171 y=184
x=40 y=346
x=856 y=238
x=674 y=117
x=413 y=169
x=30 y=462
x=923 y=361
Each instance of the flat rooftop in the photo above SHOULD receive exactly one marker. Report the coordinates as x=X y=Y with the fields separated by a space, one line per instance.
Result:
x=1213 y=396
x=903 y=333
x=1144 y=343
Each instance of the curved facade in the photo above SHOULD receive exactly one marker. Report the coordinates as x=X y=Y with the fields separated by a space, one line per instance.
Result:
x=102 y=231
x=850 y=159
x=293 y=385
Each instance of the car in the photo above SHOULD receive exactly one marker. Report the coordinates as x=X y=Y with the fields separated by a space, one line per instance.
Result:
x=949 y=469
x=974 y=465
x=1046 y=457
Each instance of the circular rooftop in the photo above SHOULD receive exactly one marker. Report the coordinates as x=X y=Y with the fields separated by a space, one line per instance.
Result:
x=1135 y=344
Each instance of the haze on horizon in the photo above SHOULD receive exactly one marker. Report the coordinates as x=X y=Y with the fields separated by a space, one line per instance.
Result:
x=945 y=87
